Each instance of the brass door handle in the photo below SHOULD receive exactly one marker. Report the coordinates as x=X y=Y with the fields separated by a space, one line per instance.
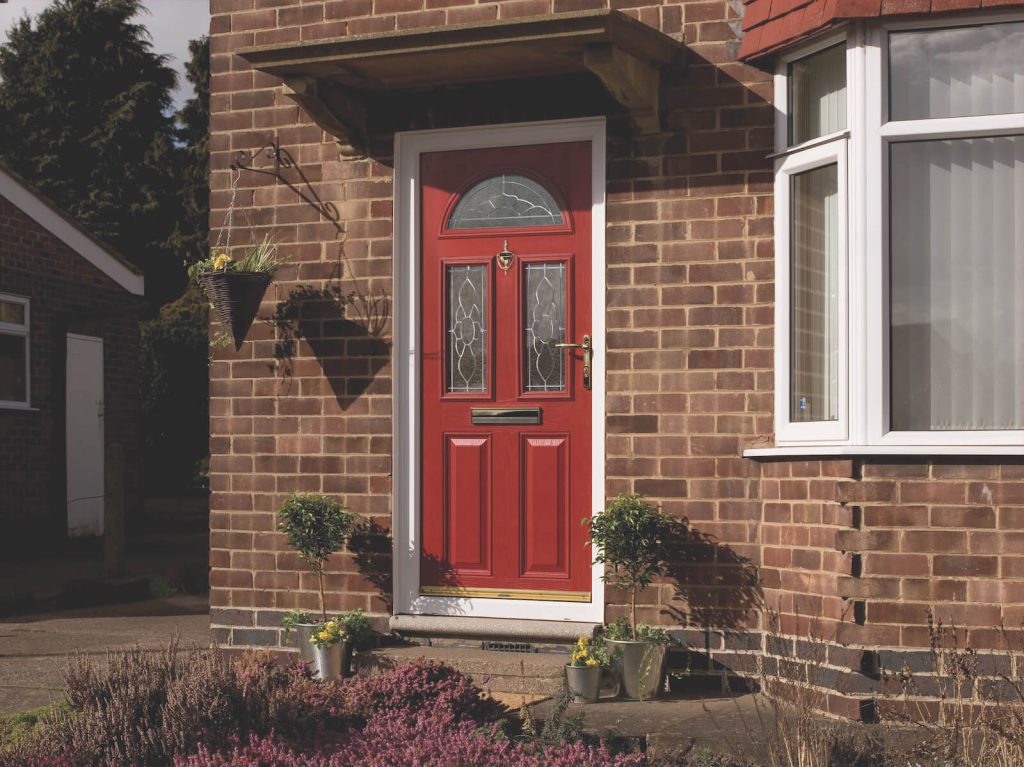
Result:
x=588 y=352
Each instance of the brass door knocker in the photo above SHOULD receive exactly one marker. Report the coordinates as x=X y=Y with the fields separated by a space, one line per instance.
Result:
x=505 y=258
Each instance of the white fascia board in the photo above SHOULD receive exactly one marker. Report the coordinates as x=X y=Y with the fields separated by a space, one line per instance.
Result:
x=56 y=224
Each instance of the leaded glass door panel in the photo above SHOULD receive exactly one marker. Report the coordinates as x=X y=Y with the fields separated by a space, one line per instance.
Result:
x=506 y=408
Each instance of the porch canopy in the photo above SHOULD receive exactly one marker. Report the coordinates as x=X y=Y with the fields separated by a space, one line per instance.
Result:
x=349 y=85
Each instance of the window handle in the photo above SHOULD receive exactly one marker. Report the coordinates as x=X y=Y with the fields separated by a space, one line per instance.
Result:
x=588 y=352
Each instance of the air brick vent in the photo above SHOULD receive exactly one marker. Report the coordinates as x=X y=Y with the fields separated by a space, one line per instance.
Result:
x=508 y=647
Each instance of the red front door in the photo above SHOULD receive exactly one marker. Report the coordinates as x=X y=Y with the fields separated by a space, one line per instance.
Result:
x=506 y=438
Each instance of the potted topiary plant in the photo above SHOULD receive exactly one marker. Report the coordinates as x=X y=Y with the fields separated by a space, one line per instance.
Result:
x=316 y=527
x=632 y=539
x=583 y=671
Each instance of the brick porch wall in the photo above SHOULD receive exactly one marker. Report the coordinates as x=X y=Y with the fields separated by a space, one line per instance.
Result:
x=690 y=290
x=689 y=253
x=68 y=295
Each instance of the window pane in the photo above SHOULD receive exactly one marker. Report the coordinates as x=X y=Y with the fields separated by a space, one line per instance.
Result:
x=817 y=95
x=814 y=300
x=505 y=200
x=544 y=303
x=12 y=312
x=13 y=371
x=957 y=72
x=957 y=298
x=467 y=328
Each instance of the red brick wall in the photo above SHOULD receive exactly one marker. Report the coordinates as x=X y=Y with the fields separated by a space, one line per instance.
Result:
x=858 y=553
x=849 y=551
x=689 y=275
x=68 y=295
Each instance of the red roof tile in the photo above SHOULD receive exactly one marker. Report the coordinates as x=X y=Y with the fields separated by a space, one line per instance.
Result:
x=769 y=25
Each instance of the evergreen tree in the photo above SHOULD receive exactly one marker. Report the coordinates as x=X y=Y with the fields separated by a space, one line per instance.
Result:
x=175 y=351
x=85 y=117
x=175 y=345
x=190 y=239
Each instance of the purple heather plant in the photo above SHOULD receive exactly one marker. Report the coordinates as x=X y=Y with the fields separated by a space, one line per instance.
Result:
x=429 y=741
x=424 y=713
x=422 y=686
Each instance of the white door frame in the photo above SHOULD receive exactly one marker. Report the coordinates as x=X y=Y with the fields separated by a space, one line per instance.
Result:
x=406 y=398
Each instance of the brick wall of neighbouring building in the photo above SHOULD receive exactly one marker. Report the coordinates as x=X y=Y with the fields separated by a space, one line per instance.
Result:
x=852 y=551
x=68 y=295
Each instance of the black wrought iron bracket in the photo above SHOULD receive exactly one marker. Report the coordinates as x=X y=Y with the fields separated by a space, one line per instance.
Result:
x=283 y=161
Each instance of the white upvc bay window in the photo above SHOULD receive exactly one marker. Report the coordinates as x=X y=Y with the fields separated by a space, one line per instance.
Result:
x=900 y=240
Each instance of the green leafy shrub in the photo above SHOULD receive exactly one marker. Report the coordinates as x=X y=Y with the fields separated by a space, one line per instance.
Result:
x=358 y=629
x=175 y=394
x=621 y=631
x=316 y=526
x=633 y=539
x=294 y=618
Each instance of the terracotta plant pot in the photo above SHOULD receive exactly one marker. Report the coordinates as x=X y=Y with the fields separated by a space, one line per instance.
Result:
x=236 y=298
x=584 y=683
x=639 y=666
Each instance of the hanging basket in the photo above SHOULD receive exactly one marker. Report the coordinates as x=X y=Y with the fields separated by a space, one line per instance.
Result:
x=236 y=298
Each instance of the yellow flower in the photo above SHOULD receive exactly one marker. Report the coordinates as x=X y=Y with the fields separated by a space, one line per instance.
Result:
x=591 y=662
x=325 y=636
x=221 y=261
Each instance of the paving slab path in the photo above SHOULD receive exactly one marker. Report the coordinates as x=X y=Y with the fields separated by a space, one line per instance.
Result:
x=738 y=727
x=34 y=648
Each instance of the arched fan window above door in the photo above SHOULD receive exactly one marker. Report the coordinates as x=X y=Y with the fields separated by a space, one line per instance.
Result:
x=505 y=200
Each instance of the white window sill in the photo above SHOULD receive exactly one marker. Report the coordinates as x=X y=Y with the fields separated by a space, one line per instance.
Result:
x=18 y=406
x=809 y=451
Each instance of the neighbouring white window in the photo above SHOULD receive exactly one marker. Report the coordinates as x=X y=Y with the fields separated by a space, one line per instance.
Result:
x=900 y=237
x=14 y=351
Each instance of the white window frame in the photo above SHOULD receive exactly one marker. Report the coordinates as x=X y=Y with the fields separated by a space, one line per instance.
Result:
x=882 y=133
x=862 y=152
x=23 y=331
x=818 y=156
x=790 y=161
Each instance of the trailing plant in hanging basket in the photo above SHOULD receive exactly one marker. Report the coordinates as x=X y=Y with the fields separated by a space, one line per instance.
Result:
x=236 y=287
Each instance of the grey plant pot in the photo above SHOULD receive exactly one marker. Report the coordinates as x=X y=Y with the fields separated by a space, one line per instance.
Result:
x=299 y=637
x=639 y=666
x=330 y=661
x=584 y=683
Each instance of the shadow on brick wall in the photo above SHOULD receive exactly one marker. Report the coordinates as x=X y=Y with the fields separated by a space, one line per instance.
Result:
x=343 y=329
x=718 y=588
x=371 y=547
